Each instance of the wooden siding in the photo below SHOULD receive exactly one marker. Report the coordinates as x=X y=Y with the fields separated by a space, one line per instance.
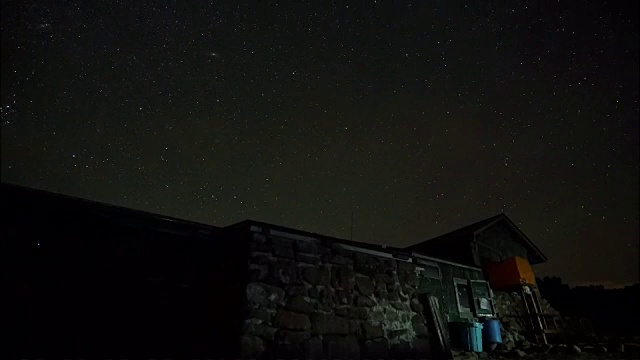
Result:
x=497 y=241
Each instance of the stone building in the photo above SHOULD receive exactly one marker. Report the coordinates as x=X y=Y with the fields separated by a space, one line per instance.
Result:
x=87 y=279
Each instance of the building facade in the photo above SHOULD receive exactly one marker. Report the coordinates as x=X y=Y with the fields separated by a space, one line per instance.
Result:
x=88 y=279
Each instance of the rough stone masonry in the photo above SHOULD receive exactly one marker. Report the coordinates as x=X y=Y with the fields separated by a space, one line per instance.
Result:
x=308 y=299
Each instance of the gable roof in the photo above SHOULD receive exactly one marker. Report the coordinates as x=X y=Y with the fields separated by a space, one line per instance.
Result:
x=466 y=234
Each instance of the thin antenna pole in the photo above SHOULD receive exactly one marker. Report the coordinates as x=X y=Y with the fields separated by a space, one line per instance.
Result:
x=351 y=225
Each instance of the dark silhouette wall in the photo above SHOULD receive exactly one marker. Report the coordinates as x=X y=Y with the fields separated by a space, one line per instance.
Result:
x=612 y=311
x=82 y=279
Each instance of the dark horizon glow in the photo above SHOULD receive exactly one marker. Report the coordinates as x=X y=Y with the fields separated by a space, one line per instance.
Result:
x=418 y=118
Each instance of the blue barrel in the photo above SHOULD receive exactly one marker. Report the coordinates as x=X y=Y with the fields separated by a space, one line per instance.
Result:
x=475 y=337
x=491 y=331
x=467 y=336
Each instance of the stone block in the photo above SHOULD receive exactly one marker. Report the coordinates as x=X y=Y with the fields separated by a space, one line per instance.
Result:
x=291 y=320
x=391 y=315
x=299 y=304
x=317 y=275
x=259 y=294
x=409 y=291
x=371 y=331
x=379 y=266
x=382 y=279
x=323 y=307
x=329 y=324
x=343 y=297
x=260 y=314
x=292 y=337
x=380 y=288
x=390 y=265
x=393 y=296
x=358 y=312
x=363 y=269
x=404 y=316
x=411 y=279
x=380 y=294
x=297 y=290
x=308 y=247
x=364 y=285
x=313 y=292
x=252 y=347
x=418 y=319
x=260 y=259
x=401 y=276
x=367 y=264
x=260 y=243
x=342 y=347
x=343 y=277
x=327 y=297
x=416 y=306
x=402 y=306
x=339 y=260
x=283 y=248
x=364 y=301
x=323 y=249
x=342 y=311
x=263 y=331
x=419 y=326
x=258 y=273
x=257 y=237
x=308 y=259
x=361 y=258
x=283 y=272
x=376 y=316
x=420 y=329
x=393 y=286
x=396 y=333
x=347 y=253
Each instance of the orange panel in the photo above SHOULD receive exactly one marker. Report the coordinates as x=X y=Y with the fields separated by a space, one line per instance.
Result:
x=525 y=271
x=510 y=272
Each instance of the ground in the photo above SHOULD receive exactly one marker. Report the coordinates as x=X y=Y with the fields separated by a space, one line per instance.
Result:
x=549 y=356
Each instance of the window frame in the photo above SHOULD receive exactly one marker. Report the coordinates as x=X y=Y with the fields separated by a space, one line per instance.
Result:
x=463 y=311
x=474 y=300
x=424 y=264
x=432 y=266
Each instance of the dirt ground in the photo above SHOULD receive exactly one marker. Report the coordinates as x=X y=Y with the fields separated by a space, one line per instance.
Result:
x=582 y=356
x=564 y=355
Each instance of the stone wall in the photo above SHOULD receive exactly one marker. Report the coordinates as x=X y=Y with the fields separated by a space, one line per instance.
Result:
x=512 y=313
x=310 y=299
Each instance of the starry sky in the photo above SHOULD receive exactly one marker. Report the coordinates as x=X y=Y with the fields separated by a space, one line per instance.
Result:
x=417 y=117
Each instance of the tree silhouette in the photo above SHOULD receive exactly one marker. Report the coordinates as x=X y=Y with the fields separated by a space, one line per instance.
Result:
x=612 y=311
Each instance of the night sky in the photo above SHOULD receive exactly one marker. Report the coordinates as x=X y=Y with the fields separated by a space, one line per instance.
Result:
x=419 y=118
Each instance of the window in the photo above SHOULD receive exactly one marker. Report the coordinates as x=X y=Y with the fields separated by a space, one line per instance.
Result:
x=474 y=297
x=429 y=269
x=482 y=298
x=432 y=271
x=463 y=295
